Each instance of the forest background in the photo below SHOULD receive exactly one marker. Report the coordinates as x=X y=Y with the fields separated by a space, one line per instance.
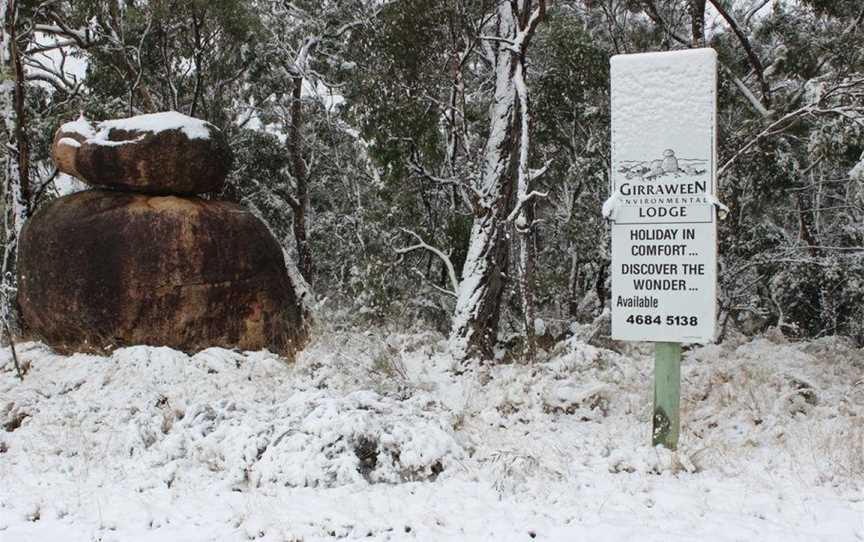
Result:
x=445 y=161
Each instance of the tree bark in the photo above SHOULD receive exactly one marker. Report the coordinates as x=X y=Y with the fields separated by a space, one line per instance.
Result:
x=21 y=139
x=753 y=58
x=697 y=22
x=478 y=304
x=505 y=159
x=298 y=170
x=524 y=218
x=525 y=265
x=573 y=289
x=17 y=182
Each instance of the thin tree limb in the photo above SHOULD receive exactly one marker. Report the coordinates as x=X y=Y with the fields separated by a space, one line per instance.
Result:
x=756 y=64
x=14 y=353
x=421 y=244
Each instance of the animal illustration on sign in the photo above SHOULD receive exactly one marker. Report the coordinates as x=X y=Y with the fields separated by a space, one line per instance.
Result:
x=669 y=164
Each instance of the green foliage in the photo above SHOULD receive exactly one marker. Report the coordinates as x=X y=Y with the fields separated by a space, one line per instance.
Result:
x=399 y=82
x=378 y=161
x=571 y=117
x=187 y=56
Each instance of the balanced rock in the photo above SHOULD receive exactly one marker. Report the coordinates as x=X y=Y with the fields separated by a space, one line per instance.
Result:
x=670 y=162
x=161 y=153
x=101 y=269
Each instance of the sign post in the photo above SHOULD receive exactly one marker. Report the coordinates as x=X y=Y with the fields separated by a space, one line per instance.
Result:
x=667 y=395
x=662 y=209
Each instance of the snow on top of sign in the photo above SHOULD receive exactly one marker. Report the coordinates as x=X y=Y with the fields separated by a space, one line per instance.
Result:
x=656 y=97
x=663 y=58
x=159 y=122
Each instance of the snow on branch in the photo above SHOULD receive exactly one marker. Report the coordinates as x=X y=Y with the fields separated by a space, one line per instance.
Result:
x=752 y=57
x=522 y=201
x=854 y=114
x=525 y=175
x=474 y=198
x=57 y=77
x=525 y=34
x=57 y=44
x=754 y=101
x=519 y=43
x=511 y=45
x=421 y=244
x=432 y=284
x=345 y=28
x=539 y=172
x=775 y=127
x=83 y=38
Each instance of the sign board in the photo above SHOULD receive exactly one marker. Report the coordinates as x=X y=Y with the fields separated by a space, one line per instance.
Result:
x=664 y=231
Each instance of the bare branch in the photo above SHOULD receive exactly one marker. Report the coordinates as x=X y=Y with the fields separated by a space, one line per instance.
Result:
x=421 y=244
x=754 y=101
x=432 y=284
x=473 y=197
x=758 y=69
x=771 y=129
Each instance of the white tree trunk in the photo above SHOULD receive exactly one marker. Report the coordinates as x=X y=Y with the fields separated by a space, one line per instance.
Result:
x=16 y=182
x=475 y=322
x=478 y=303
x=524 y=218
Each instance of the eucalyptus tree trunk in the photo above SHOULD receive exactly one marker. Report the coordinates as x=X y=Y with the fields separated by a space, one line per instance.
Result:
x=15 y=116
x=505 y=164
x=478 y=301
x=525 y=262
x=16 y=188
x=298 y=169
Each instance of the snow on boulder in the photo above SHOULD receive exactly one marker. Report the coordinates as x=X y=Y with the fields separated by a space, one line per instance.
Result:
x=160 y=153
x=101 y=269
x=67 y=143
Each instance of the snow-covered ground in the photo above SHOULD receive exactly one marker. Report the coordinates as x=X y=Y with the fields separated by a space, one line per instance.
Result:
x=372 y=435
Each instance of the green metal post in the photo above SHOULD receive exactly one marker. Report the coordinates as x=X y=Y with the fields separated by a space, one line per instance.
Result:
x=667 y=394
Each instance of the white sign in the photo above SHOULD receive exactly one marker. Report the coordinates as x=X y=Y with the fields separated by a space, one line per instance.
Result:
x=664 y=231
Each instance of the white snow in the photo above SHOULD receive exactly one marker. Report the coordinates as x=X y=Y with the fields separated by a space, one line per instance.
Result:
x=154 y=123
x=160 y=122
x=660 y=115
x=66 y=184
x=612 y=204
x=857 y=172
x=80 y=126
x=150 y=444
x=722 y=209
x=69 y=141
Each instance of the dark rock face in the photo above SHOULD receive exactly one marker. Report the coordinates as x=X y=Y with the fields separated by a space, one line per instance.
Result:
x=101 y=269
x=163 y=153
